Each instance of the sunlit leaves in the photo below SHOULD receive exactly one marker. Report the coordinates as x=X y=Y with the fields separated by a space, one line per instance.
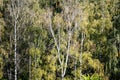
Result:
x=97 y=19
x=58 y=20
x=90 y=63
x=1 y=3
x=37 y=74
x=3 y=52
x=34 y=51
x=93 y=77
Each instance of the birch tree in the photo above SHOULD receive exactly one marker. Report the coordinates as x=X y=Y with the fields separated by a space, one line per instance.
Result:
x=19 y=18
x=73 y=40
x=68 y=20
x=14 y=12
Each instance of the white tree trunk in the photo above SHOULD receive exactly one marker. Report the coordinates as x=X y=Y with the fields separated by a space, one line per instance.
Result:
x=14 y=12
x=15 y=50
x=81 y=52
x=18 y=10
x=69 y=18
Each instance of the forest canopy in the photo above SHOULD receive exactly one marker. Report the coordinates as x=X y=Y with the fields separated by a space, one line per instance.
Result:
x=59 y=40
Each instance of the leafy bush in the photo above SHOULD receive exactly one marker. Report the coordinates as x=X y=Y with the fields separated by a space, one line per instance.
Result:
x=93 y=77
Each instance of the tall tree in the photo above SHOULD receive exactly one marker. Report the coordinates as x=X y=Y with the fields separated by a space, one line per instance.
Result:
x=66 y=24
x=19 y=19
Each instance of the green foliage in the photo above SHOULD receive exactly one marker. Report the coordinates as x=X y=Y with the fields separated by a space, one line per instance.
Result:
x=99 y=20
x=1 y=67
x=93 y=77
x=37 y=73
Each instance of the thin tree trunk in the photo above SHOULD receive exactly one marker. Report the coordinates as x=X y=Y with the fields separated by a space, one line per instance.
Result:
x=69 y=18
x=82 y=40
x=62 y=70
x=15 y=8
x=14 y=16
x=15 y=50
x=68 y=51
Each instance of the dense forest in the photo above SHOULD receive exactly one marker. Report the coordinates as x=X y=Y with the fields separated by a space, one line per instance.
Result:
x=59 y=40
